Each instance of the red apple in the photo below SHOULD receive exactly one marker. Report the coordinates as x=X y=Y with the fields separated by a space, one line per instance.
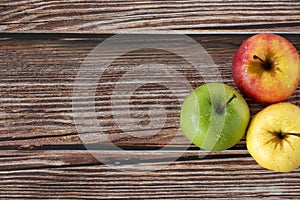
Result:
x=266 y=68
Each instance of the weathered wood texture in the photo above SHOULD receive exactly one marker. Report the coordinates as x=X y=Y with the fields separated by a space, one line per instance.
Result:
x=42 y=156
x=38 y=76
x=41 y=153
x=77 y=175
x=149 y=16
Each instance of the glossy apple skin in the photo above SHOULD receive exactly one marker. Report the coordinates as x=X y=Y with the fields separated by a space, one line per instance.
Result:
x=209 y=129
x=264 y=144
x=266 y=86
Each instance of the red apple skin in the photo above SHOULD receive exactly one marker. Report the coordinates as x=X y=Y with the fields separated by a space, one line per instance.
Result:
x=266 y=86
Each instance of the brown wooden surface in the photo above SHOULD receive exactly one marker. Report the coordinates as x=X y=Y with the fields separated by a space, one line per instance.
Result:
x=43 y=44
x=149 y=16
x=43 y=155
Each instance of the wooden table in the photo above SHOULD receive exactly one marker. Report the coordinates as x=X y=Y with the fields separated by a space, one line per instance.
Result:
x=43 y=46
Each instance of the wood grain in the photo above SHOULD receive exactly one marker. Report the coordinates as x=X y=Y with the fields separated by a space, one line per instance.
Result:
x=77 y=175
x=43 y=157
x=149 y=16
x=43 y=45
x=38 y=77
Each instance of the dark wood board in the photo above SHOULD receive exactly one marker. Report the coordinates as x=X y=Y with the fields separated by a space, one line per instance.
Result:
x=116 y=16
x=42 y=155
x=43 y=45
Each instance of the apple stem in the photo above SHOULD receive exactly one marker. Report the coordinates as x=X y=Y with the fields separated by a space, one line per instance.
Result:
x=220 y=109
x=265 y=64
x=294 y=134
x=258 y=58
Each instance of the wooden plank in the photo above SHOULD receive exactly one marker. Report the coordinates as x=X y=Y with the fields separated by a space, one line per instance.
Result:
x=103 y=16
x=76 y=174
x=37 y=80
x=119 y=160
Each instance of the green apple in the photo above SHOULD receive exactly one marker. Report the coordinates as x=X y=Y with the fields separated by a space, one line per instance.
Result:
x=273 y=137
x=214 y=116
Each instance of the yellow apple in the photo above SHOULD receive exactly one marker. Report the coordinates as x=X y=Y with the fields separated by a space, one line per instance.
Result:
x=273 y=137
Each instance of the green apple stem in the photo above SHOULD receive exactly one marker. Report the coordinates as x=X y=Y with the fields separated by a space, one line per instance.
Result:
x=266 y=64
x=220 y=109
